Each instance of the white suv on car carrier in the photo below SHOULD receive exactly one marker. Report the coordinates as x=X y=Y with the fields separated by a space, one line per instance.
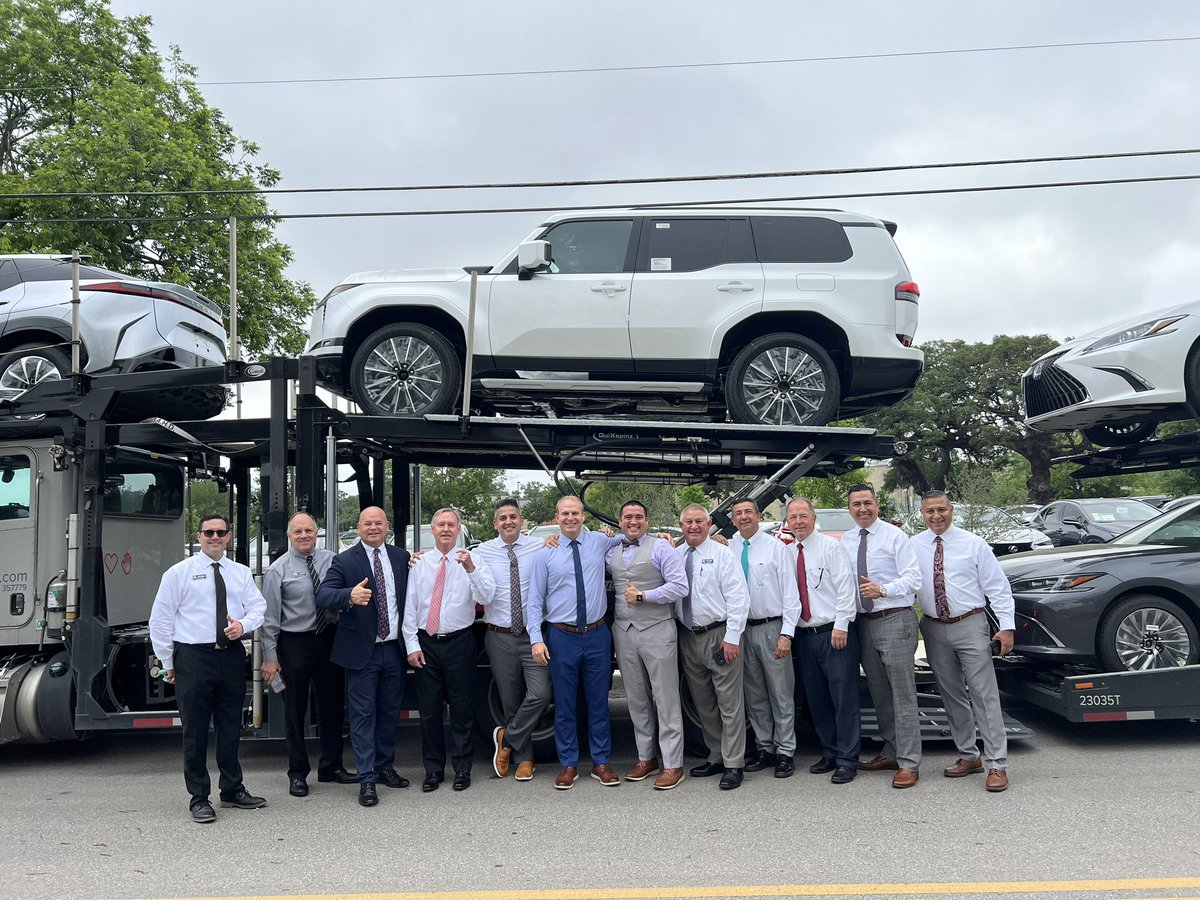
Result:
x=763 y=316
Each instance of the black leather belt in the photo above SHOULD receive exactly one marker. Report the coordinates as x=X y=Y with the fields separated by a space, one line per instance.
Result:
x=445 y=636
x=700 y=629
x=815 y=629
x=953 y=619
x=575 y=629
x=764 y=621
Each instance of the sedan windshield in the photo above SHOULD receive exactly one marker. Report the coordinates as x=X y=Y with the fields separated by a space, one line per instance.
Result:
x=1180 y=527
x=1129 y=511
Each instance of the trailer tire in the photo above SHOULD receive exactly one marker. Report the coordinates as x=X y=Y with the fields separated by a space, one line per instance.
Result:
x=1119 y=435
x=1146 y=631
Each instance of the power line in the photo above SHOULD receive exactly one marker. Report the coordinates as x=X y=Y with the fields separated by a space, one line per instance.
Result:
x=278 y=217
x=712 y=65
x=802 y=173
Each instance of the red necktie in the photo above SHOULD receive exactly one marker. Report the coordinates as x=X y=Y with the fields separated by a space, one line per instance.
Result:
x=802 y=583
x=939 y=580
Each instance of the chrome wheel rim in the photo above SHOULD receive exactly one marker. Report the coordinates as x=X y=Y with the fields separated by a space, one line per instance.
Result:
x=1152 y=639
x=22 y=374
x=402 y=375
x=784 y=386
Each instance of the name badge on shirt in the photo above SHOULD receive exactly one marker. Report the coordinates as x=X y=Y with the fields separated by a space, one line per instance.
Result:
x=201 y=577
x=299 y=575
x=707 y=562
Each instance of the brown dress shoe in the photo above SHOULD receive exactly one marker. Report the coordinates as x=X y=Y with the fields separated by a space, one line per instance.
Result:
x=502 y=758
x=525 y=770
x=963 y=767
x=905 y=778
x=668 y=779
x=643 y=768
x=878 y=764
x=567 y=776
x=605 y=775
x=997 y=780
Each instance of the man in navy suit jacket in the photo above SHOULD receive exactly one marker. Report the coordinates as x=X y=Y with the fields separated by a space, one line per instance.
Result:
x=366 y=584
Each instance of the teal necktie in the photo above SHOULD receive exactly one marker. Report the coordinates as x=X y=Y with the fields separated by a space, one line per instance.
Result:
x=746 y=559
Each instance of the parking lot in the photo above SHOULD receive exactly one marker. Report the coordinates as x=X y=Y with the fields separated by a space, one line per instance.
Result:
x=1089 y=807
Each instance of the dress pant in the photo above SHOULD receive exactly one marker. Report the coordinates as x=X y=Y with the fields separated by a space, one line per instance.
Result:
x=573 y=656
x=447 y=676
x=524 y=689
x=649 y=662
x=210 y=686
x=770 y=689
x=374 y=694
x=960 y=655
x=304 y=663
x=889 y=649
x=830 y=679
x=718 y=693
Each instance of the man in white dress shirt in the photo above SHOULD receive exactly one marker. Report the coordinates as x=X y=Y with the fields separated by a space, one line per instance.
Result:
x=888 y=578
x=204 y=607
x=439 y=609
x=959 y=576
x=523 y=684
x=770 y=679
x=826 y=647
x=713 y=617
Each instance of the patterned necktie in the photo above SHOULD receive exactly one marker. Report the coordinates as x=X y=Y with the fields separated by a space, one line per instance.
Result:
x=580 y=596
x=686 y=611
x=867 y=605
x=322 y=617
x=433 y=621
x=802 y=583
x=939 y=580
x=514 y=592
x=222 y=606
x=381 y=602
x=746 y=559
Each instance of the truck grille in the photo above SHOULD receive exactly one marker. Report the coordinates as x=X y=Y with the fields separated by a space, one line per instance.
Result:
x=1052 y=389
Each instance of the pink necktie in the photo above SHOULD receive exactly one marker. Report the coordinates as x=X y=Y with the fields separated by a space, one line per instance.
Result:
x=434 y=620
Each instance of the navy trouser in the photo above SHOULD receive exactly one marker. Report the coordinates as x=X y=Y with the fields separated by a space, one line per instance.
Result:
x=374 y=695
x=571 y=656
x=831 y=688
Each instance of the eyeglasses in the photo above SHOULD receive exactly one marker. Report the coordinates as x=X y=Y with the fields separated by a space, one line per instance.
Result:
x=214 y=532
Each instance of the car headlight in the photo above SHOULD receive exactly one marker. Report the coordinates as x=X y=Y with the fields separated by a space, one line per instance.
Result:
x=1135 y=332
x=1053 y=584
x=1040 y=542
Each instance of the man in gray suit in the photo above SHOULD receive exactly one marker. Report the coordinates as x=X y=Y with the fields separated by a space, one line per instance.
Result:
x=648 y=578
x=959 y=575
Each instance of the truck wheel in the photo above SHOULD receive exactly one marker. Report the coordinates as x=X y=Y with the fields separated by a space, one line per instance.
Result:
x=783 y=379
x=30 y=364
x=407 y=370
x=1145 y=631
x=1119 y=435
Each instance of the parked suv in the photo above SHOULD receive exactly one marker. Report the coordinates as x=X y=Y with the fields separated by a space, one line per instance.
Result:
x=125 y=325
x=782 y=317
x=1091 y=521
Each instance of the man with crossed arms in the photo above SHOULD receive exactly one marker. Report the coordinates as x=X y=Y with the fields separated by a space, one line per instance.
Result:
x=959 y=576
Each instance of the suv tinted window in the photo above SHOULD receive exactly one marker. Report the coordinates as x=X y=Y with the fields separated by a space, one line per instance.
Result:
x=688 y=245
x=8 y=274
x=590 y=247
x=56 y=270
x=144 y=489
x=800 y=239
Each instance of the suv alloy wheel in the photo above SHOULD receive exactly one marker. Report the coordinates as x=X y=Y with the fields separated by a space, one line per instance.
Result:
x=782 y=379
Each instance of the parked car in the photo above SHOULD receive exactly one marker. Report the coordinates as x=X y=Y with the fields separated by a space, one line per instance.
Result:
x=126 y=324
x=834 y=522
x=1003 y=533
x=541 y=532
x=1115 y=384
x=1178 y=502
x=1092 y=521
x=779 y=317
x=1127 y=604
x=1023 y=512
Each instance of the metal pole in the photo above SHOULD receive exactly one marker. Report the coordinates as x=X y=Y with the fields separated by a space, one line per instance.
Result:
x=467 y=366
x=333 y=519
x=235 y=350
x=75 y=344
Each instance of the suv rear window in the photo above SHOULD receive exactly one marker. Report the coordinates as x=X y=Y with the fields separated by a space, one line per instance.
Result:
x=56 y=270
x=800 y=239
x=688 y=245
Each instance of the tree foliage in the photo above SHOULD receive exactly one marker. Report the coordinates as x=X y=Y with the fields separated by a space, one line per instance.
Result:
x=88 y=105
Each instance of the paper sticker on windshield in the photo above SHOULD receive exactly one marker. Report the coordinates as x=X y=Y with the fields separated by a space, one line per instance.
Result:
x=660 y=264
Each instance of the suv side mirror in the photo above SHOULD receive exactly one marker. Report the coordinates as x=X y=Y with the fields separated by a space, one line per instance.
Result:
x=532 y=255
x=1073 y=520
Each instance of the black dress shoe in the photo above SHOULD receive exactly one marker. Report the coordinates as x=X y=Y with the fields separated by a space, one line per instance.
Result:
x=392 y=778
x=843 y=775
x=822 y=765
x=759 y=761
x=731 y=779
x=462 y=781
x=367 y=795
x=298 y=787
x=432 y=781
x=202 y=812
x=243 y=799
x=340 y=775
x=707 y=769
x=784 y=767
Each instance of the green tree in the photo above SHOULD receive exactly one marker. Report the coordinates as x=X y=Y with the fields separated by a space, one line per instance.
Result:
x=473 y=492
x=88 y=105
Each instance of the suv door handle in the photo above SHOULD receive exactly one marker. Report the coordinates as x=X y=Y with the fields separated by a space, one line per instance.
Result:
x=734 y=287
x=607 y=287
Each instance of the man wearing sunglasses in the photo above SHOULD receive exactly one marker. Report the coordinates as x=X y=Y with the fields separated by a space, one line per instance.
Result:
x=204 y=607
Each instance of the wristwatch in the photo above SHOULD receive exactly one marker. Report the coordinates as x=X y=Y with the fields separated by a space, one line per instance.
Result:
x=882 y=592
x=640 y=598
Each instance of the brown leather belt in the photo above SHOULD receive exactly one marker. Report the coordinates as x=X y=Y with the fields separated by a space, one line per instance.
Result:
x=886 y=612
x=953 y=619
x=575 y=629
x=764 y=621
x=501 y=629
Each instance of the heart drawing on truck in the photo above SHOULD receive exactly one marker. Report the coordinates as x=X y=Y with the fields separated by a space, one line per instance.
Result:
x=110 y=562
x=126 y=563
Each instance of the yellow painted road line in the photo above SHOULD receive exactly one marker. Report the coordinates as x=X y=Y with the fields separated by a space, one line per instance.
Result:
x=771 y=890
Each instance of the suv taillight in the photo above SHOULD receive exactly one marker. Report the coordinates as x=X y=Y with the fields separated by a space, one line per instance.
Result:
x=908 y=292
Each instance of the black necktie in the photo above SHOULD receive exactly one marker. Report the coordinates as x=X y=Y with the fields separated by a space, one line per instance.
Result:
x=222 y=607
x=322 y=617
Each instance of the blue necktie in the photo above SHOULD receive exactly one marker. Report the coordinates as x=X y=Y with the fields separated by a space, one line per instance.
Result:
x=746 y=559
x=580 y=596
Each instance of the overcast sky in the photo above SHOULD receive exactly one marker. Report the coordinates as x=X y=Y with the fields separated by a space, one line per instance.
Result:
x=1058 y=261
